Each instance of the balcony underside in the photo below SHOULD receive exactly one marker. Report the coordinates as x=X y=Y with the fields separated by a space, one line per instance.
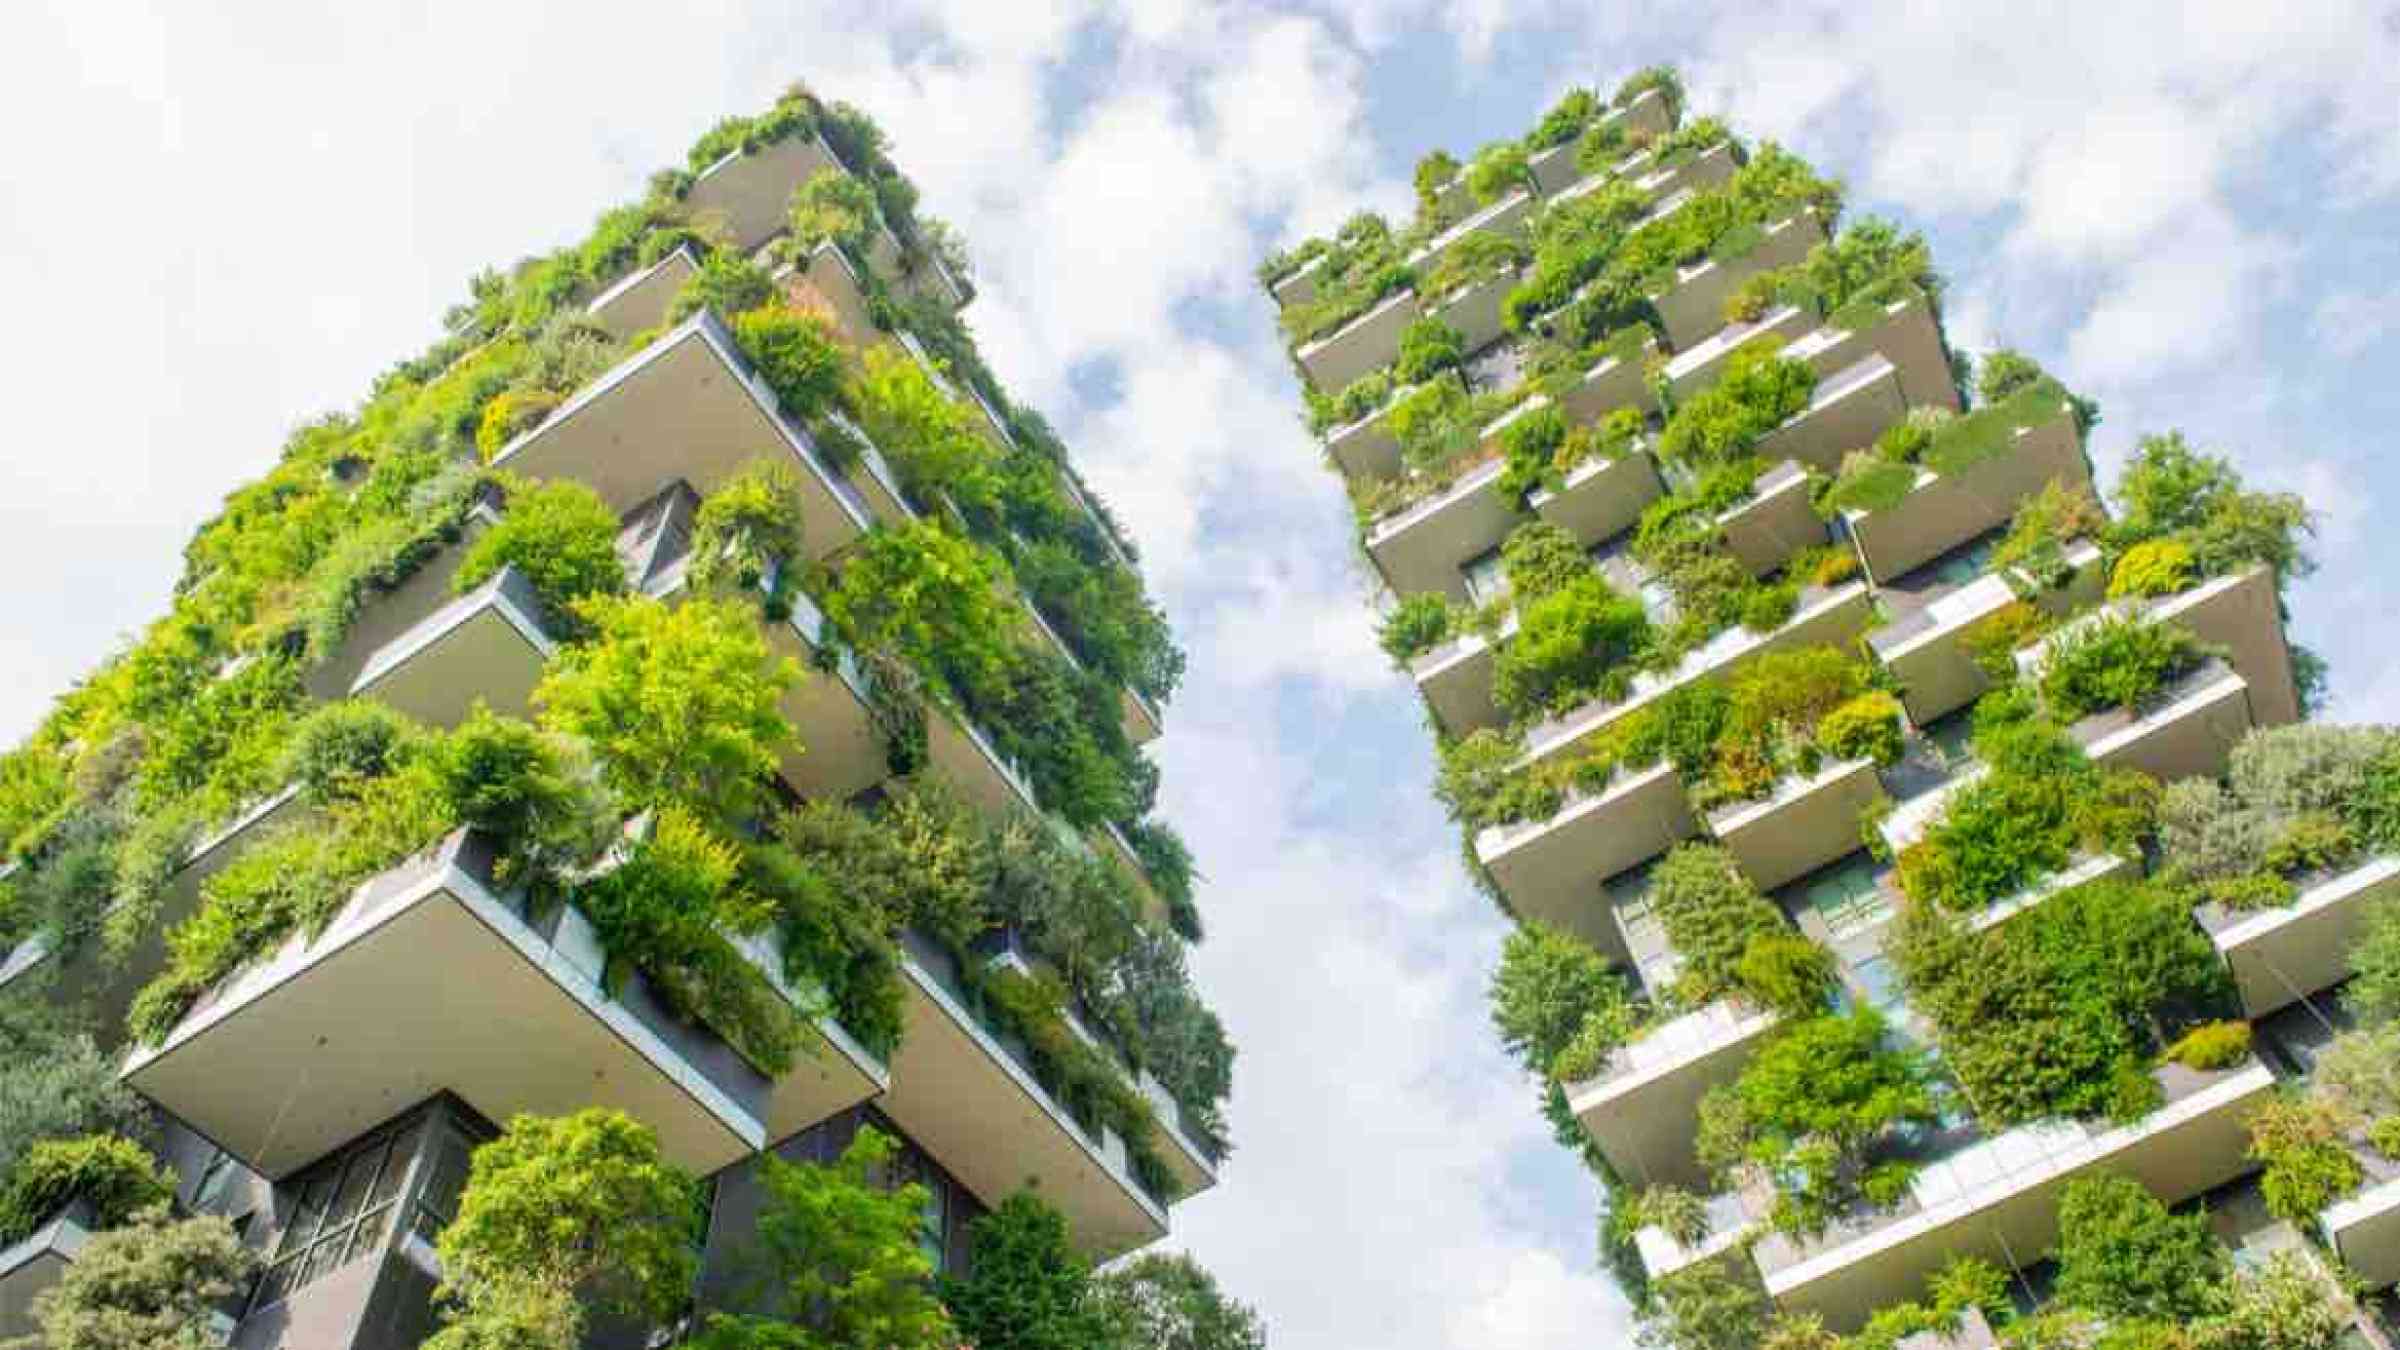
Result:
x=1364 y=345
x=1803 y=825
x=960 y=1093
x=1777 y=522
x=1601 y=498
x=1640 y=1112
x=2365 y=1232
x=1551 y=870
x=385 y=617
x=1694 y=306
x=486 y=646
x=428 y=981
x=639 y=302
x=1422 y=549
x=752 y=193
x=684 y=407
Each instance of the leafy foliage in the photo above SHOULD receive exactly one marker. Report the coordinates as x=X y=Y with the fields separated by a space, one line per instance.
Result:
x=150 y=1284
x=2300 y=1140
x=2170 y=490
x=115 y=1175
x=1168 y=1302
x=1029 y=1289
x=2115 y=662
x=561 y=1214
x=562 y=537
x=2121 y=1254
x=841 y=1257
x=1556 y=1004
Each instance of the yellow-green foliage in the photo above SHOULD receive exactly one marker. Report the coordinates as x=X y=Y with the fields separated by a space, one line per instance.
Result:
x=2212 y=1045
x=2152 y=567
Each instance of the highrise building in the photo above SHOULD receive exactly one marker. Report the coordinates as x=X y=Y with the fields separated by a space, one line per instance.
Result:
x=1852 y=771
x=693 y=688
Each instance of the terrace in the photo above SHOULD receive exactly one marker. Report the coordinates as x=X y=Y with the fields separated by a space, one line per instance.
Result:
x=1552 y=870
x=1422 y=547
x=1696 y=366
x=1849 y=408
x=1776 y=521
x=1602 y=497
x=1804 y=822
x=752 y=193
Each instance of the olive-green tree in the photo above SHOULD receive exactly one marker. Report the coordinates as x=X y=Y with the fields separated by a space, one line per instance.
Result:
x=1030 y=1289
x=1170 y=1302
x=149 y=1285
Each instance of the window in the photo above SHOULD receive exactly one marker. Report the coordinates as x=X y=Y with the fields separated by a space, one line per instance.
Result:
x=1847 y=896
x=341 y=1211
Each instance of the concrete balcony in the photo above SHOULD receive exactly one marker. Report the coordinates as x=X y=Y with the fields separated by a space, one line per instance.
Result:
x=2081 y=871
x=2185 y=730
x=1777 y=521
x=1727 y=1222
x=1696 y=366
x=1143 y=721
x=752 y=193
x=827 y=282
x=970 y=1096
x=1552 y=870
x=1640 y=1107
x=1191 y=1152
x=639 y=300
x=389 y=614
x=1554 y=168
x=1422 y=547
x=1827 y=616
x=1942 y=511
x=1299 y=286
x=1906 y=334
x=2364 y=1228
x=1455 y=679
x=687 y=406
x=36 y=1263
x=1601 y=498
x=1934 y=607
x=430 y=979
x=1508 y=216
x=86 y=980
x=1475 y=309
x=487 y=646
x=1847 y=412
x=834 y=1074
x=2241 y=613
x=2279 y=956
x=1613 y=382
x=1803 y=823
x=1997 y=1197
x=1366 y=344
x=1693 y=305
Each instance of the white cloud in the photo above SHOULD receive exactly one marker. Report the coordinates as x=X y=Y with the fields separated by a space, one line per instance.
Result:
x=2348 y=323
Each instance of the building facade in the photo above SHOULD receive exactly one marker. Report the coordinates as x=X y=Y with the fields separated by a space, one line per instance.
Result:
x=1782 y=662
x=760 y=374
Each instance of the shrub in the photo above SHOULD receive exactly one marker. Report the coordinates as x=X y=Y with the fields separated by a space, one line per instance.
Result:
x=114 y=1174
x=1676 y=1212
x=151 y=1283
x=2308 y=1165
x=2115 y=662
x=1759 y=390
x=795 y=353
x=1865 y=726
x=1530 y=446
x=1029 y=1289
x=2373 y=994
x=1169 y=1300
x=1551 y=992
x=1770 y=606
x=1415 y=626
x=2152 y=567
x=336 y=750
x=683 y=704
x=1711 y=914
x=2005 y=372
x=2212 y=1045
x=562 y=536
x=2171 y=490
x=832 y=206
x=1497 y=170
x=509 y=416
x=1427 y=348
x=2384 y=1137
x=1567 y=643
x=746 y=528
x=2121 y=1254
x=727 y=284
x=1786 y=973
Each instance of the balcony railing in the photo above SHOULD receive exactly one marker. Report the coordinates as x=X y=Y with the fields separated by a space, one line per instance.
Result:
x=1693 y=305
x=1942 y=511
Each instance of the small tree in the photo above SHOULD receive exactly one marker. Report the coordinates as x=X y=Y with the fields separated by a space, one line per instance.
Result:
x=1552 y=992
x=561 y=1212
x=1171 y=1303
x=841 y=1253
x=682 y=703
x=1029 y=1290
x=2121 y=1254
x=1706 y=1307
x=562 y=536
x=149 y=1285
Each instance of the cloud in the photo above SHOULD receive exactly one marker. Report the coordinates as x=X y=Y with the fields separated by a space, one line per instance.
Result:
x=2348 y=323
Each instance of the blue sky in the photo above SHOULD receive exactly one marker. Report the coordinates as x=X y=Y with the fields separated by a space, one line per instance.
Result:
x=217 y=220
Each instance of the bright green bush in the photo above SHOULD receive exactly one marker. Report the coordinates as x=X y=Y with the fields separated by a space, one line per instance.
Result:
x=562 y=536
x=1553 y=994
x=1427 y=348
x=2309 y=1166
x=2115 y=662
x=2122 y=1255
x=727 y=284
x=2152 y=567
x=1865 y=726
x=1758 y=392
x=336 y=750
x=832 y=206
x=1417 y=625
x=509 y=416
x=1711 y=913
x=1568 y=642
x=1497 y=170
x=117 y=1176
x=1785 y=973
x=748 y=526
x=1530 y=448
x=2212 y=1045
x=795 y=353
x=2169 y=490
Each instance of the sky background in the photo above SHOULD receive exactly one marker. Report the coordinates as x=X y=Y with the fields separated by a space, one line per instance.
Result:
x=216 y=220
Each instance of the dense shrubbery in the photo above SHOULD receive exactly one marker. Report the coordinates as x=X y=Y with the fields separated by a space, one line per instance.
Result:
x=1556 y=1004
x=2296 y=801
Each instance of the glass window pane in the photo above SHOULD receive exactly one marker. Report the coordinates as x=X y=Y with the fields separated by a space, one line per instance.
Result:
x=356 y=1180
x=367 y=1238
